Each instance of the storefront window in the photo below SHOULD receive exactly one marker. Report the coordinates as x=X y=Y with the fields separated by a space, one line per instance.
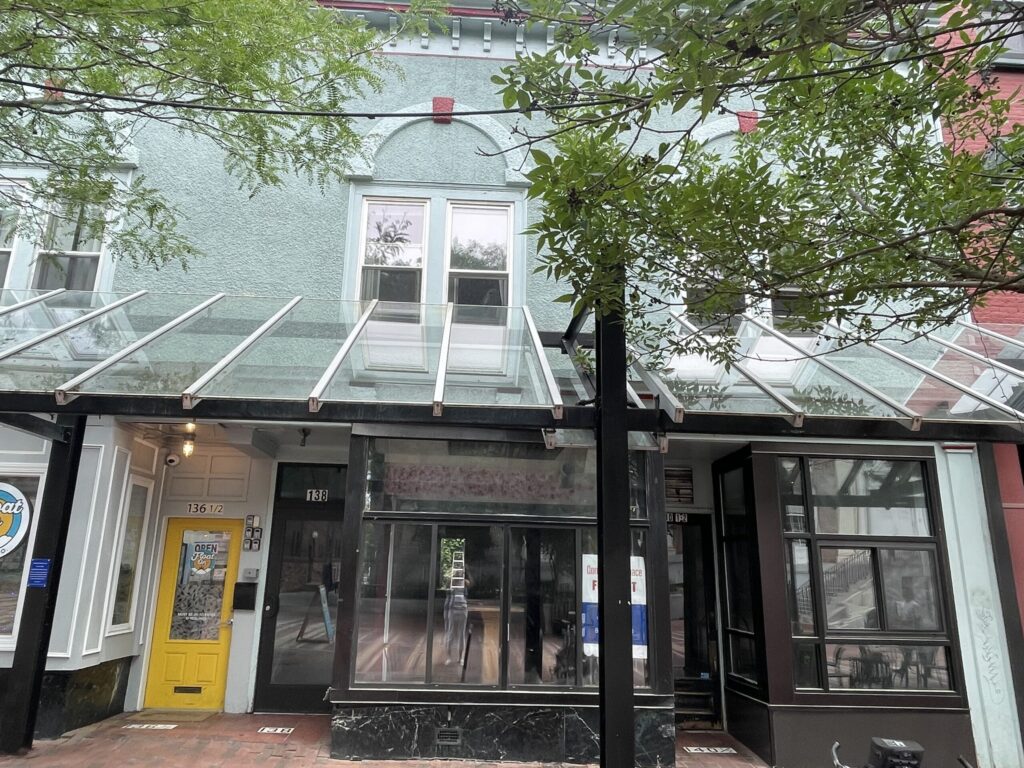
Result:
x=18 y=496
x=393 y=591
x=917 y=667
x=500 y=599
x=467 y=605
x=481 y=478
x=877 y=592
x=868 y=497
x=739 y=548
x=134 y=526
x=640 y=607
x=542 y=607
x=799 y=586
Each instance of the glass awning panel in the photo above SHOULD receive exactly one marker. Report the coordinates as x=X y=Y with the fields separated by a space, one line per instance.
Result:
x=795 y=367
x=45 y=365
x=288 y=359
x=492 y=359
x=275 y=349
x=169 y=363
x=24 y=321
x=704 y=386
x=929 y=396
x=944 y=355
x=946 y=376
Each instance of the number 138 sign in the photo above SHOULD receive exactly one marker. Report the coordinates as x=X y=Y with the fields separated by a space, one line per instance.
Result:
x=316 y=494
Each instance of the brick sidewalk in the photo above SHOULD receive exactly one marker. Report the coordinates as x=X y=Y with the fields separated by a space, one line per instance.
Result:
x=233 y=741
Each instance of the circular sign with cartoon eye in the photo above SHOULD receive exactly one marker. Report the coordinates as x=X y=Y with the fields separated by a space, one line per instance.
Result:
x=15 y=518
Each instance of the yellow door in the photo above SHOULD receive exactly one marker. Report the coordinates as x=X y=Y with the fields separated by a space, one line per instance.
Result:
x=188 y=662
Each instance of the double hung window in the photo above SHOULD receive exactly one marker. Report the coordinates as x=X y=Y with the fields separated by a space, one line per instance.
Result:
x=478 y=245
x=394 y=244
x=70 y=255
x=863 y=575
x=436 y=250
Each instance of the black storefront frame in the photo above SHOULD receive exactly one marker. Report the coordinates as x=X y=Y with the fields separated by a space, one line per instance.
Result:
x=345 y=691
x=267 y=695
x=943 y=637
x=789 y=726
x=782 y=688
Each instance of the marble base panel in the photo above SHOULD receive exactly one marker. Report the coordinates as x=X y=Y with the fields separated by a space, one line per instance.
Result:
x=486 y=732
x=70 y=700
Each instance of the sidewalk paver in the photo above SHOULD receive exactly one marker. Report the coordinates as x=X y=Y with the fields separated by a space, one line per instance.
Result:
x=234 y=741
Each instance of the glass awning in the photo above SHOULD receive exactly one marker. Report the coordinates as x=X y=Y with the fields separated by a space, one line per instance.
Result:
x=222 y=347
x=183 y=350
x=961 y=373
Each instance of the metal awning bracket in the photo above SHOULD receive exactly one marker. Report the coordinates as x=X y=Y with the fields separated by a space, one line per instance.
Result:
x=667 y=401
x=442 y=360
x=30 y=302
x=554 y=393
x=316 y=396
x=189 y=398
x=65 y=392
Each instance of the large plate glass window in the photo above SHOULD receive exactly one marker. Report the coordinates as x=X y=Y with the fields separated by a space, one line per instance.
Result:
x=505 y=594
x=479 y=251
x=70 y=255
x=394 y=244
x=862 y=568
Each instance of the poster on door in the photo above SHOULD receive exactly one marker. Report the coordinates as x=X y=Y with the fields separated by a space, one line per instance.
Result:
x=638 y=605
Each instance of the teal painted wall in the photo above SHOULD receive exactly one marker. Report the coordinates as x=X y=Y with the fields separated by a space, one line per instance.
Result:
x=296 y=239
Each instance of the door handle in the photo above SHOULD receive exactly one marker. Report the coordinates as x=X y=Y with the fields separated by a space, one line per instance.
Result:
x=270 y=607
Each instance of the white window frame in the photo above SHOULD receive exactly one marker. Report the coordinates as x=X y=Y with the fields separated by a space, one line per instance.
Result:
x=510 y=211
x=8 y=642
x=23 y=266
x=53 y=221
x=122 y=528
x=364 y=217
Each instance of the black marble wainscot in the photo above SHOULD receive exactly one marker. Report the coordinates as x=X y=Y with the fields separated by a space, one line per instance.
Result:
x=486 y=732
x=70 y=700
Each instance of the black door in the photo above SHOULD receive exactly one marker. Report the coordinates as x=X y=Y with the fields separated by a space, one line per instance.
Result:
x=297 y=637
x=693 y=612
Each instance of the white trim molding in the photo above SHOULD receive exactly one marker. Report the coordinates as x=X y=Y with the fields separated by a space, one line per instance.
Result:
x=516 y=161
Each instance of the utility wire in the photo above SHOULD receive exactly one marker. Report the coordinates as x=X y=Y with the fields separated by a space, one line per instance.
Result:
x=194 y=105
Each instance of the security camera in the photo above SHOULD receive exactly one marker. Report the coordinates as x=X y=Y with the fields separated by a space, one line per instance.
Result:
x=172 y=460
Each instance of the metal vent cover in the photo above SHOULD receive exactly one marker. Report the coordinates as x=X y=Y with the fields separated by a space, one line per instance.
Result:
x=678 y=487
x=449 y=737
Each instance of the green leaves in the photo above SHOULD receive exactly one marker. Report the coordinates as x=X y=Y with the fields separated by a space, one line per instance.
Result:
x=844 y=197
x=84 y=77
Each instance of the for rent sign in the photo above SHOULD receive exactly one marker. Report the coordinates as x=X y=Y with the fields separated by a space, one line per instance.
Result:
x=638 y=603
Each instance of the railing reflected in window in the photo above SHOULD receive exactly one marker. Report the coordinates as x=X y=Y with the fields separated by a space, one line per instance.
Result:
x=866 y=545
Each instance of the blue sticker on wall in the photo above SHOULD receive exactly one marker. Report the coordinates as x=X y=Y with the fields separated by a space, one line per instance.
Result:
x=39 y=572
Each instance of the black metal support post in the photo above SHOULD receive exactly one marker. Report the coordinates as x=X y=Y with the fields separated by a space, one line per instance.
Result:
x=21 y=699
x=613 y=545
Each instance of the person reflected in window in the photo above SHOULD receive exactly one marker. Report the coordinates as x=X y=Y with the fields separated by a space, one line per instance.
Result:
x=456 y=616
x=909 y=613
